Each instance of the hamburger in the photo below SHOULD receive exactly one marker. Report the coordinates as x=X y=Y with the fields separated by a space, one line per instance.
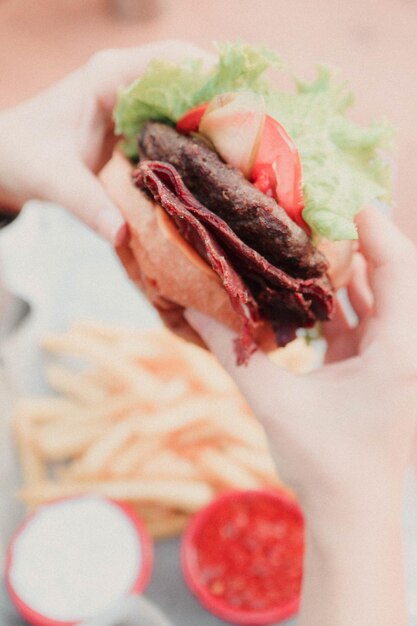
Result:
x=241 y=197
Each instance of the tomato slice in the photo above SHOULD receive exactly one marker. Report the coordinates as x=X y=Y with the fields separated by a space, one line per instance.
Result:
x=190 y=122
x=277 y=170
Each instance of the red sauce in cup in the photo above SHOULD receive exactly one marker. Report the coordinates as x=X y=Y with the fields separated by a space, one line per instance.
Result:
x=242 y=556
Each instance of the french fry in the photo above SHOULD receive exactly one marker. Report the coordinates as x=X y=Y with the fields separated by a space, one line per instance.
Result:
x=128 y=461
x=227 y=472
x=143 y=347
x=256 y=461
x=108 y=411
x=196 y=434
x=94 y=461
x=59 y=442
x=32 y=468
x=167 y=464
x=205 y=370
x=174 y=391
x=152 y=420
x=192 y=410
x=43 y=409
x=241 y=428
x=74 y=385
x=132 y=379
x=106 y=332
x=233 y=428
x=179 y=494
x=142 y=343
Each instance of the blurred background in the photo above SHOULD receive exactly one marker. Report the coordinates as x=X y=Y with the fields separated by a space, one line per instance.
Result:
x=373 y=42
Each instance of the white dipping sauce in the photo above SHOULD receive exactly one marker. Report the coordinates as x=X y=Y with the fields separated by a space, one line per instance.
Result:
x=75 y=558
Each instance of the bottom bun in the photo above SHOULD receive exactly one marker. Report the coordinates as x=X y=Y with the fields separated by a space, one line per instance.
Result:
x=169 y=271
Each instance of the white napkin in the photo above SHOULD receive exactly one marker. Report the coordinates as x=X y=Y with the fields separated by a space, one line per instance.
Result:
x=64 y=272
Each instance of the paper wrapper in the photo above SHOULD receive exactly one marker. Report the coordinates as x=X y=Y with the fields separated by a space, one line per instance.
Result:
x=64 y=273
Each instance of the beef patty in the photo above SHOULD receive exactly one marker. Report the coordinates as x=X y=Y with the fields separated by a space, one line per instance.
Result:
x=258 y=220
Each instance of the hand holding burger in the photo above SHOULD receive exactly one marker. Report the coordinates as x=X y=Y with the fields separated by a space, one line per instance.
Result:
x=53 y=144
x=239 y=188
x=342 y=436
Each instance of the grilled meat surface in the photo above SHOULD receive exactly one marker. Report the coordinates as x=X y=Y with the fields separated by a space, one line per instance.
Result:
x=258 y=220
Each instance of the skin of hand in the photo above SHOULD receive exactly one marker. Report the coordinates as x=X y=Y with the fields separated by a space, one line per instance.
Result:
x=54 y=143
x=341 y=436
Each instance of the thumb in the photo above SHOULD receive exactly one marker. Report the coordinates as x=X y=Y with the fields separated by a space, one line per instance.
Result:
x=392 y=260
x=79 y=191
x=265 y=386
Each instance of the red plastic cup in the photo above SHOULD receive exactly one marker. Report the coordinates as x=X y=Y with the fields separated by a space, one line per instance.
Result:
x=194 y=576
x=140 y=582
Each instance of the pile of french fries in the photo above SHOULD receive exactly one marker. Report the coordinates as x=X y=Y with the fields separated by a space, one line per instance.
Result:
x=142 y=417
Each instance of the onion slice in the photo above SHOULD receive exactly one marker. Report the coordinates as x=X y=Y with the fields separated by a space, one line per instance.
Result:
x=233 y=122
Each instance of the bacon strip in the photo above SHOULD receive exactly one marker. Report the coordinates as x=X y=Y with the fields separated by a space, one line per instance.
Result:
x=256 y=219
x=211 y=251
x=288 y=302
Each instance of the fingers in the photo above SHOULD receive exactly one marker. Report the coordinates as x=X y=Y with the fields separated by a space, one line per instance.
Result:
x=80 y=192
x=344 y=333
x=110 y=69
x=359 y=291
x=104 y=74
x=339 y=322
x=339 y=335
x=392 y=263
x=266 y=387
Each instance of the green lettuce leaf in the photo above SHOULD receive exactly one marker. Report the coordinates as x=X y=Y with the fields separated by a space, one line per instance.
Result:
x=166 y=90
x=343 y=167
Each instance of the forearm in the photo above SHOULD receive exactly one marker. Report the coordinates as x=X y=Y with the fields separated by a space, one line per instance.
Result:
x=353 y=571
